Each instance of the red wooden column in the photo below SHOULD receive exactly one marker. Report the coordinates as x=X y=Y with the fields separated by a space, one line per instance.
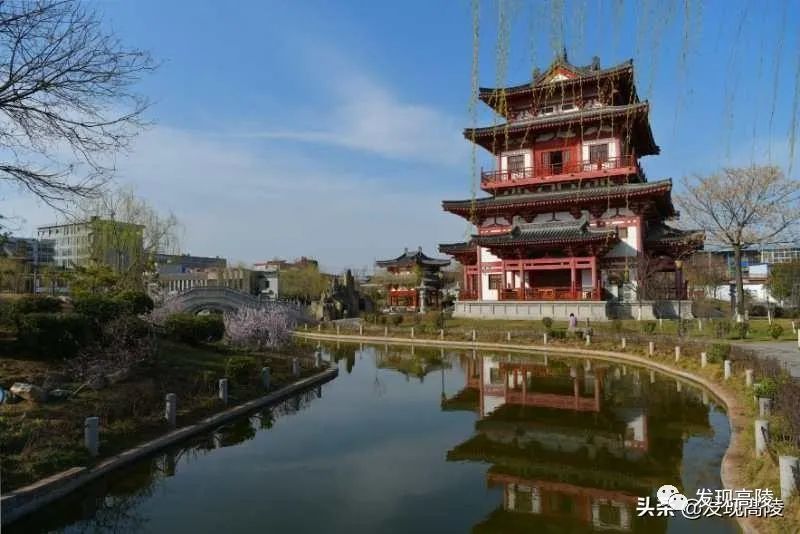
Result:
x=572 y=275
x=594 y=276
x=521 y=280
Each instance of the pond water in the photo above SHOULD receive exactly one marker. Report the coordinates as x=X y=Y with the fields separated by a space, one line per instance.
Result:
x=425 y=440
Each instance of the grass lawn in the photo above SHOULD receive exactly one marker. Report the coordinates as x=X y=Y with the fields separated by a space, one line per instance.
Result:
x=38 y=440
x=706 y=330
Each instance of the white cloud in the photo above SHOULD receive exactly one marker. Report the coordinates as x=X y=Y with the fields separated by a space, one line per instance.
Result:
x=250 y=202
x=365 y=115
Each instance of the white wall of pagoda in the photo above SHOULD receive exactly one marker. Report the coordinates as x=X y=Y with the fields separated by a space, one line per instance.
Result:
x=486 y=259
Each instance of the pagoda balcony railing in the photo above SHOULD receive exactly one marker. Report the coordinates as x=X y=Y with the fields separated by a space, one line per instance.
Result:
x=554 y=172
x=550 y=293
x=467 y=295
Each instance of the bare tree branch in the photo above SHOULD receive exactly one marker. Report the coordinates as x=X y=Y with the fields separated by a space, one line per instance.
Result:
x=66 y=99
x=742 y=207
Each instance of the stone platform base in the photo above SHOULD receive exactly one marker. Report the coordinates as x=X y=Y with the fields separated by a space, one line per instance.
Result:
x=594 y=310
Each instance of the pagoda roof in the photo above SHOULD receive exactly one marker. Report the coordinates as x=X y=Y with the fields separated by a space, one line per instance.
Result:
x=549 y=199
x=665 y=238
x=462 y=247
x=561 y=64
x=664 y=233
x=637 y=113
x=548 y=233
x=408 y=259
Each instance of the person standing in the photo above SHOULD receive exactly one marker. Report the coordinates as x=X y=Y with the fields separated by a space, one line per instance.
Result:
x=573 y=322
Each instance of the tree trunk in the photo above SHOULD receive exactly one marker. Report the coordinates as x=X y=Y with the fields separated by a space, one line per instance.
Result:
x=737 y=270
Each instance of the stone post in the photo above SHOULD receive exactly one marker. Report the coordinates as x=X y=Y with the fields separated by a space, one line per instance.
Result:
x=700 y=325
x=305 y=327
x=223 y=390
x=764 y=406
x=171 y=408
x=385 y=331
x=91 y=435
x=587 y=365
x=651 y=348
x=361 y=330
x=652 y=377
x=704 y=396
x=748 y=378
x=588 y=340
x=544 y=338
x=474 y=335
x=703 y=359
x=798 y=337
x=794 y=327
x=624 y=343
x=762 y=436
x=727 y=367
x=678 y=386
x=789 y=467
x=265 y=377
x=660 y=323
x=677 y=353
x=441 y=333
x=337 y=329
x=319 y=327
x=295 y=367
x=412 y=332
x=508 y=336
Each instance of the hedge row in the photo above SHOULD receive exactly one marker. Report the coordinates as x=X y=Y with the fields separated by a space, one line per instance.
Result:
x=53 y=335
x=194 y=329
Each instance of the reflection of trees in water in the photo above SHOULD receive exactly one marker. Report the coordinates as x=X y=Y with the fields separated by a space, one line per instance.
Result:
x=114 y=503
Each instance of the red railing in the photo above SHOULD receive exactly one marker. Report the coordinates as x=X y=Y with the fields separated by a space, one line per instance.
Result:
x=467 y=295
x=550 y=293
x=556 y=171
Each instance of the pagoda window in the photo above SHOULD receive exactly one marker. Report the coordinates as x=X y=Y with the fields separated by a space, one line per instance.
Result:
x=623 y=232
x=568 y=107
x=553 y=161
x=495 y=281
x=547 y=110
x=516 y=163
x=598 y=153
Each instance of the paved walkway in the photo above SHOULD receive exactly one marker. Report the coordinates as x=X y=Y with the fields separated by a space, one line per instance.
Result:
x=785 y=352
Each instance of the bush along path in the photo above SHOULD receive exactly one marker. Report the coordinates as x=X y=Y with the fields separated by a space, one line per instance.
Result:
x=104 y=356
x=755 y=391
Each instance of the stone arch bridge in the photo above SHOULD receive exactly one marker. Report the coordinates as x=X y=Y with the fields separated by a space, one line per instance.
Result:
x=225 y=299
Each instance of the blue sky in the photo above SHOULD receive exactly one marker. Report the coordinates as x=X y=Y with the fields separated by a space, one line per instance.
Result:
x=332 y=129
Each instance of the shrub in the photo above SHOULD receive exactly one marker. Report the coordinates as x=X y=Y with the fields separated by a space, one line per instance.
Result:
x=7 y=313
x=397 y=320
x=36 y=304
x=757 y=310
x=557 y=334
x=616 y=325
x=194 y=329
x=740 y=330
x=100 y=309
x=53 y=335
x=135 y=302
x=719 y=352
x=381 y=319
x=241 y=369
x=775 y=330
x=648 y=327
x=722 y=328
x=547 y=322
x=766 y=387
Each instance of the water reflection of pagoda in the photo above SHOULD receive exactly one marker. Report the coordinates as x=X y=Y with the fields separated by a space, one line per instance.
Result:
x=572 y=445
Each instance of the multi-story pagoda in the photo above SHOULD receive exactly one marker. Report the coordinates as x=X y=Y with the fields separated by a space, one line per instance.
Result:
x=570 y=215
x=412 y=281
